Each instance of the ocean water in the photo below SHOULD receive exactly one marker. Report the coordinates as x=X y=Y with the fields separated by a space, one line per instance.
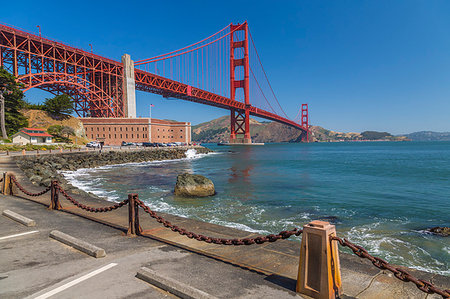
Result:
x=380 y=195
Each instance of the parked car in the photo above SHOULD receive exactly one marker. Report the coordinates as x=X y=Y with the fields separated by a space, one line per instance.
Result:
x=93 y=144
x=124 y=143
x=148 y=144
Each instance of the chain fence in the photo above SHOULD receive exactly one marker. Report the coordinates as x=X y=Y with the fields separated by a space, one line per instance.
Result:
x=88 y=208
x=21 y=188
x=221 y=241
x=423 y=285
x=403 y=275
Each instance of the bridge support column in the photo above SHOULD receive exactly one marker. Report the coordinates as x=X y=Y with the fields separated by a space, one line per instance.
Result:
x=240 y=127
x=305 y=122
x=240 y=119
x=129 y=85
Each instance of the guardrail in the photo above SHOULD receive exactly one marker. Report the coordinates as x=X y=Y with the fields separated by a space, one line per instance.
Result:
x=319 y=274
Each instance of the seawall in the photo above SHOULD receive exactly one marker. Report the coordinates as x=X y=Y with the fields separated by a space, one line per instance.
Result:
x=42 y=169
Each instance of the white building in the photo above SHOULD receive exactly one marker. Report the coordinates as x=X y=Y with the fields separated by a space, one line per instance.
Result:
x=31 y=135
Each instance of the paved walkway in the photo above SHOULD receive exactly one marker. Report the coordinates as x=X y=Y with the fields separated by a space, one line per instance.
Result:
x=278 y=260
x=5 y=154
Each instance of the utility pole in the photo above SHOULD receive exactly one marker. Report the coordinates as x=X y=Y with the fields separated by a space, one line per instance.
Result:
x=2 y=111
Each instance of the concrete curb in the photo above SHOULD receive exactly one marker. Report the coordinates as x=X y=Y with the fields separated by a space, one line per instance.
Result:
x=81 y=245
x=172 y=286
x=19 y=218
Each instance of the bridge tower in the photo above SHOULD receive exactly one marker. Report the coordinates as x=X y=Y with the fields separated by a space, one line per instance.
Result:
x=305 y=122
x=240 y=119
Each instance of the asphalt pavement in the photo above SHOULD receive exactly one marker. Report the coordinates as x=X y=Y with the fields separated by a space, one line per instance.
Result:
x=32 y=265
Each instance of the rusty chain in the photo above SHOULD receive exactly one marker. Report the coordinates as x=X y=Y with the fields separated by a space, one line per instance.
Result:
x=88 y=208
x=21 y=188
x=221 y=241
x=399 y=273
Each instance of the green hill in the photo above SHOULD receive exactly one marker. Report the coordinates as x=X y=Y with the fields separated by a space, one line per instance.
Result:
x=218 y=130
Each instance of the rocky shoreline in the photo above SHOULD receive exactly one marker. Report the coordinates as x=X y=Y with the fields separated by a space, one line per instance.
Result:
x=41 y=170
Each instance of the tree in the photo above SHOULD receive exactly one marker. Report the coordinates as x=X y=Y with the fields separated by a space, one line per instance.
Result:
x=13 y=102
x=59 y=131
x=60 y=105
x=55 y=130
x=68 y=131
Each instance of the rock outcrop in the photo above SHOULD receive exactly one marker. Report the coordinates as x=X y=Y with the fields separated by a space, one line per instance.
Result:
x=441 y=231
x=42 y=169
x=194 y=185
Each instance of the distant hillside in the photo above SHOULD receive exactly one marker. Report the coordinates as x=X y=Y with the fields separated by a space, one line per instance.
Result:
x=429 y=136
x=218 y=130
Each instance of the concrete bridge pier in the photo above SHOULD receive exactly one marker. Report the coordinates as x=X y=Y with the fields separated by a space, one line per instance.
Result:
x=129 y=85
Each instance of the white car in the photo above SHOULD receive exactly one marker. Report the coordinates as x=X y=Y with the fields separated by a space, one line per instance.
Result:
x=93 y=144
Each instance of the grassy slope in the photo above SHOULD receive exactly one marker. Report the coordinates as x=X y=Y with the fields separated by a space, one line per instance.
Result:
x=41 y=119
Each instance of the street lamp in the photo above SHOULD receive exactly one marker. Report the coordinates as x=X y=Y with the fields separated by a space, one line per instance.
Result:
x=91 y=47
x=39 y=31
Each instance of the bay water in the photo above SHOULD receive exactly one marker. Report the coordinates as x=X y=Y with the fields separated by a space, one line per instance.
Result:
x=380 y=195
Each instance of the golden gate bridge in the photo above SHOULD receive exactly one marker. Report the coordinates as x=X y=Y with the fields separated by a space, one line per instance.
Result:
x=223 y=70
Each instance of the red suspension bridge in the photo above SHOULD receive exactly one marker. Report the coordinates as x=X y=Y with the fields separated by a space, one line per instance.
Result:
x=223 y=70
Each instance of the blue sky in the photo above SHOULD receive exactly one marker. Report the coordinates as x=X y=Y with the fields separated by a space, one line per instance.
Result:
x=360 y=65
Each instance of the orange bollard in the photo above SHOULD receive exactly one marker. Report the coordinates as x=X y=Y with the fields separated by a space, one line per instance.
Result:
x=319 y=274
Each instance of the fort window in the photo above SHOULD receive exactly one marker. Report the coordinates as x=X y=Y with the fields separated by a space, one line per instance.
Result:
x=126 y=135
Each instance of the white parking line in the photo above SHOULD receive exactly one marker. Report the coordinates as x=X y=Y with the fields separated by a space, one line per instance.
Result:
x=18 y=235
x=76 y=281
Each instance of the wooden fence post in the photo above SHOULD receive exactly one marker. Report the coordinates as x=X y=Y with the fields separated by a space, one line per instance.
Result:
x=133 y=216
x=4 y=184
x=54 y=196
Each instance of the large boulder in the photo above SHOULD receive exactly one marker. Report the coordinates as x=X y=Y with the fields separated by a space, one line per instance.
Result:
x=194 y=185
